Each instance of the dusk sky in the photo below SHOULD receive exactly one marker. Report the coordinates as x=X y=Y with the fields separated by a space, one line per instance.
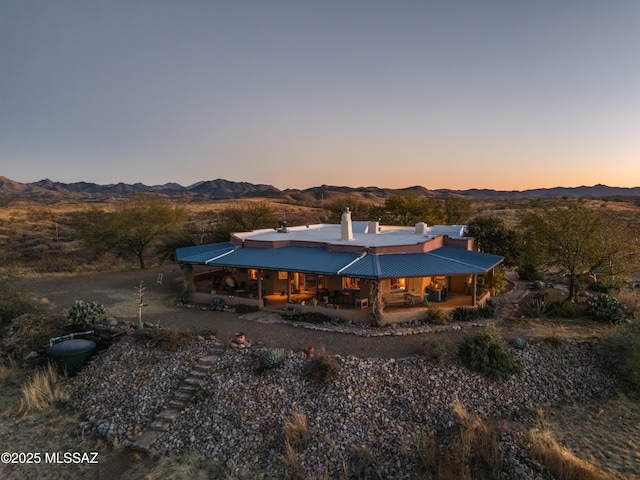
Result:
x=451 y=94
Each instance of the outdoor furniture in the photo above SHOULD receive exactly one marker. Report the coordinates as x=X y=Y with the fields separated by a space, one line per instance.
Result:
x=410 y=299
x=362 y=302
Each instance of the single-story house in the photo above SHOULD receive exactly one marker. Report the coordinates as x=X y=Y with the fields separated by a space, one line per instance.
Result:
x=361 y=267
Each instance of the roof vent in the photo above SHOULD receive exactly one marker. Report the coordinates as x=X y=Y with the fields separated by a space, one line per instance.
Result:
x=346 y=227
x=283 y=227
x=421 y=228
x=373 y=227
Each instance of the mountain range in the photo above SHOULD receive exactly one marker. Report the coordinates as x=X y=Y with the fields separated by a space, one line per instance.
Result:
x=226 y=189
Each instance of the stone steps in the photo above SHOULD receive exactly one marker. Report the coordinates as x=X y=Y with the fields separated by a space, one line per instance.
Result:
x=179 y=400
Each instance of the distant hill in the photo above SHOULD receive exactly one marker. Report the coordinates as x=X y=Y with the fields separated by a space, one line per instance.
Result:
x=226 y=189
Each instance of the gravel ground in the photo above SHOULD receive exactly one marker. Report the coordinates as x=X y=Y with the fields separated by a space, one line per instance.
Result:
x=367 y=422
x=379 y=406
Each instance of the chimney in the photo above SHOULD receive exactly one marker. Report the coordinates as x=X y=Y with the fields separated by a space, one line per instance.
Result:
x=373 y=227
x=421 y=228
x=346 y=228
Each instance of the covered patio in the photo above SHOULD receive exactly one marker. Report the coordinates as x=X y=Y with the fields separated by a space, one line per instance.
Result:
x=356 y=268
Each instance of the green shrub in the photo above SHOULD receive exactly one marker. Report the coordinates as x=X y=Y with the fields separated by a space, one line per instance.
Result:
x=321 y=368
x=467 y=314
x=488 y=353
x=561 y=309
x=605 y=308
x=529 y=273
x=84 y=313
x=438 y=316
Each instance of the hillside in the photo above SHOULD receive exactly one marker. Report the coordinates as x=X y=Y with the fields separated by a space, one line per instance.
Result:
x=226 y=189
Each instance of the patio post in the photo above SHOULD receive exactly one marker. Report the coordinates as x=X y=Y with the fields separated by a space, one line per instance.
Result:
x=259 y=285
x=474 y=288
x=288 y=287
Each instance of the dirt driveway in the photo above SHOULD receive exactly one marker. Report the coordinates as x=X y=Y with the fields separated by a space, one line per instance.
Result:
x=118 y=293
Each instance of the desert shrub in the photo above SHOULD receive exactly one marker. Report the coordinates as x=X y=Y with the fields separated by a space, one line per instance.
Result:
x=488 y=353
x=605 y=285
x=8 y=372
x=561 y=309
x=32 y=332
x=321 y=368
x=362 y=463
x=241 y=308
x=313 y=317
x=529 y=273
x=553 y=341
x=14 y=303
x=438 y=316
x=42 y=391
x=621 y=353
x=463 y=314
x=467 y=314
x=631 y=299
x=439 y=350
x=168 y=339
x=84 y=313
x=605 y=308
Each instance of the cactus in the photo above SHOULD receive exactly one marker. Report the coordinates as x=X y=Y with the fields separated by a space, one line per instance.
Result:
x=83 y=313
x=518 y=343
x=271 y=358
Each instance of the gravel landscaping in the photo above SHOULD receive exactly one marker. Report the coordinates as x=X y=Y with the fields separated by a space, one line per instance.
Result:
x=371 y=417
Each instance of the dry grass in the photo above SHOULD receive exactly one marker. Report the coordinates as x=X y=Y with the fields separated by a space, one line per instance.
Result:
x=559 y=460
x=296 y=433
x=42 y=390
x=631 y=299
x=8 y=372
x=186 y=466
x=296 y=430
x=470 y=451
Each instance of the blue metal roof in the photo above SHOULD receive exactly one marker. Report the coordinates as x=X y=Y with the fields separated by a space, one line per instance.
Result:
x=200 y=254
x=442 y=261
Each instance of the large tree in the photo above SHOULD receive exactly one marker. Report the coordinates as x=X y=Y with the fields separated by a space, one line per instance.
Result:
x=493 y=236
x=359 y=208
x=409 y=210
x=582 y=241
x=242 y=217
x=134 y=226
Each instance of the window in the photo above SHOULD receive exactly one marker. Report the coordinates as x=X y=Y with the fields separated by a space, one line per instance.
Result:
x=253 y=274
x=349 y=283
x=398 y=283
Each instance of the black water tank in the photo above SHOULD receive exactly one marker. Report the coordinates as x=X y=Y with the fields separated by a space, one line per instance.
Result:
x=71 y=355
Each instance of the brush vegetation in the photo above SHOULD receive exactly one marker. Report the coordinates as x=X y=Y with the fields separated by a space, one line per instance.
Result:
x=42 y=391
